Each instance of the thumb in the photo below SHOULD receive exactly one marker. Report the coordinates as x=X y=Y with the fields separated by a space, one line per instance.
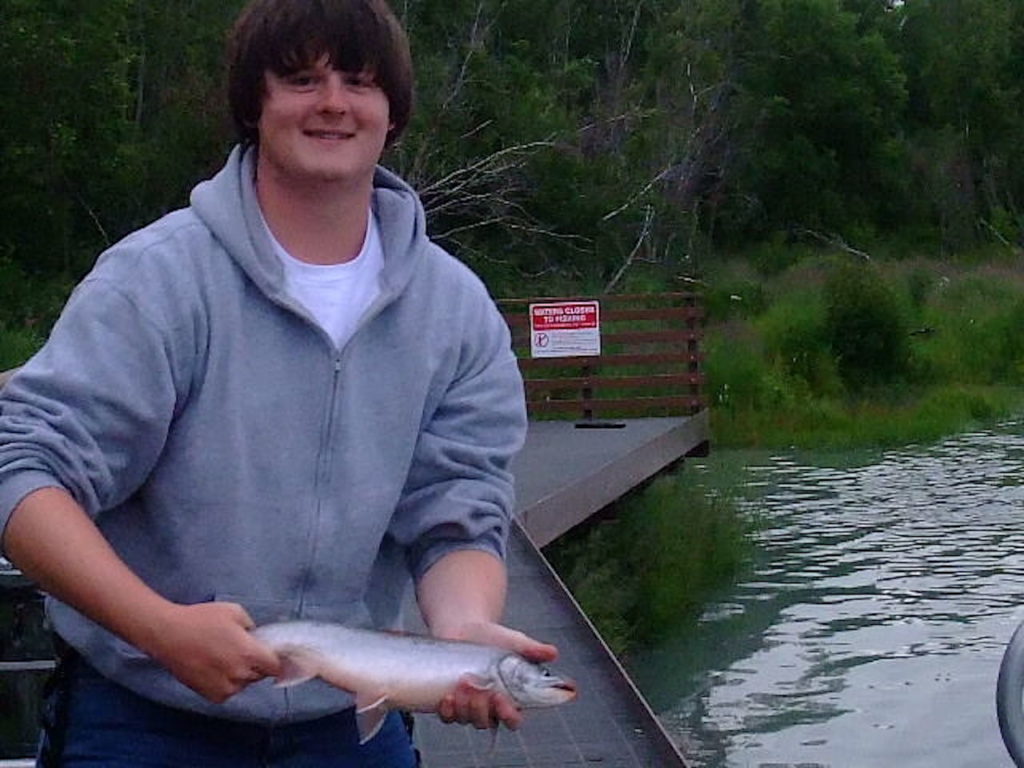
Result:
x=526 y=646
x=241 y=616
x=266 y=662
x=536 y=651
x=263 y=658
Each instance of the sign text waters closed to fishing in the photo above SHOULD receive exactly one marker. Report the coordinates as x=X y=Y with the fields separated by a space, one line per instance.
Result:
x=565 y=329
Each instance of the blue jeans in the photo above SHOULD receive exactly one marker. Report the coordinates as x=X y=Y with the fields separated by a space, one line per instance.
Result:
x=90 y=721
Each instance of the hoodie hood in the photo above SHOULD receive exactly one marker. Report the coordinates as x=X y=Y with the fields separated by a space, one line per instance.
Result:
x=228 y=206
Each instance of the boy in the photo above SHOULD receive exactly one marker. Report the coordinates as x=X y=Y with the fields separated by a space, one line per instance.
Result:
x=283 y=401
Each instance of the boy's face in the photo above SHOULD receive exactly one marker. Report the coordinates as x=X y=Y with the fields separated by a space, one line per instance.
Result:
x=323 y=126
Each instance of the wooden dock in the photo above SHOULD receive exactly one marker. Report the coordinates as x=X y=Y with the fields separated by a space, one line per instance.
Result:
x=564 y=475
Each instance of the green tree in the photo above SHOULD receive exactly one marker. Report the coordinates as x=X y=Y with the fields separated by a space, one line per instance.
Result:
x=821 y=97
x=65 y=70
x=964 y=66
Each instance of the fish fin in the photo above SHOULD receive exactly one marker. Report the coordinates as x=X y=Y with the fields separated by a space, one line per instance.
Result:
x=296 y=668
x=494 y=742
x=370 y=716
x=479 y=683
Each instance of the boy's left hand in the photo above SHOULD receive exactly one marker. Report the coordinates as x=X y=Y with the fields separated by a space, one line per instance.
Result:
x=485 y=707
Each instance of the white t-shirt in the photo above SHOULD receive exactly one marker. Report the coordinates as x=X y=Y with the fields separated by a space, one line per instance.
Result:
x=336 y=295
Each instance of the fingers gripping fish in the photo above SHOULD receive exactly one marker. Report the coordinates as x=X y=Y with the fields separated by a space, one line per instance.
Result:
x=414 y=672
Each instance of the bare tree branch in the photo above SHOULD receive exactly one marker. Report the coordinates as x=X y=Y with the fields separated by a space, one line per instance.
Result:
x=834 y=240
x=489 y=192
x=88 y=209
x=999 y=236
x=477 y=33
x=487 y=165
x=473 y=131
x=644 y=232
x=507 y=223
x=627 y=46
x=605 y=122
x=643 y=191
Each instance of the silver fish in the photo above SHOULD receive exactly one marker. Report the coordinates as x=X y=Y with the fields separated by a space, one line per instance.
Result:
x=414 y=672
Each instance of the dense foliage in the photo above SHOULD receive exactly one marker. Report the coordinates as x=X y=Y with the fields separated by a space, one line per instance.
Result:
x=842 y=352
x=556 y=141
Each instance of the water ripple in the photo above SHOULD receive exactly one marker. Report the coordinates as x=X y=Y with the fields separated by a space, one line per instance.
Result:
x=871 y=628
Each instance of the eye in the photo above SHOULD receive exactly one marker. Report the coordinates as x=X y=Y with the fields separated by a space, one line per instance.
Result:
x=303 y=79
x=359 y=79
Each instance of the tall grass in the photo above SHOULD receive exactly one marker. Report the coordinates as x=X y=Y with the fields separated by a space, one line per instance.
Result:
x=978 y=321
x=654 y=564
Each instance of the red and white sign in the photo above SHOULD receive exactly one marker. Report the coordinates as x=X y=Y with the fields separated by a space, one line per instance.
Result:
x=565 y=329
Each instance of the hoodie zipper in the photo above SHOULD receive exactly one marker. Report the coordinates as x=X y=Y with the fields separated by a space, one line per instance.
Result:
x=325 y=453
x=322 y=478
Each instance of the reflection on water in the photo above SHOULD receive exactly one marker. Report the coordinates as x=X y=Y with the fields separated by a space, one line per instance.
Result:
x=869 y=632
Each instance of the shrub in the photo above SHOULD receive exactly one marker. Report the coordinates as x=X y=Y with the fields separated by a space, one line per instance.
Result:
x=865 y=326
x=795 y=340
x=735 y=371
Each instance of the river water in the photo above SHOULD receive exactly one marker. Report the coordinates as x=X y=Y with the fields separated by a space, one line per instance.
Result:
x=869 y=630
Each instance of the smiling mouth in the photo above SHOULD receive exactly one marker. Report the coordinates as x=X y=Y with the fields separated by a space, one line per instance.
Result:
x=330 y=135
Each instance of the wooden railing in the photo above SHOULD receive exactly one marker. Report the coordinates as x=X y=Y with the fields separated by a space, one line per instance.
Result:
x=26 y=658
x=649 y=361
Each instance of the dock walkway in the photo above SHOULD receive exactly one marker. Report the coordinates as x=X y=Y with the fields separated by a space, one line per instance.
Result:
x=564 y=475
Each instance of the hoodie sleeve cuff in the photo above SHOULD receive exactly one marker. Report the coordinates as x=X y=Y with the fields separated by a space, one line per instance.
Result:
x=15 y=487
x=494 y=545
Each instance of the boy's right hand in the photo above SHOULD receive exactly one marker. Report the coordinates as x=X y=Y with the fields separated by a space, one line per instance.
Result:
x=207 y=646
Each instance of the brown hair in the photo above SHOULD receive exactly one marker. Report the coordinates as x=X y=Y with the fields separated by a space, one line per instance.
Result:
x=285 y=36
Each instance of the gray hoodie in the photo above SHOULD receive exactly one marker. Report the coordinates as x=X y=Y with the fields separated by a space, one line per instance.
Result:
x=229 y=451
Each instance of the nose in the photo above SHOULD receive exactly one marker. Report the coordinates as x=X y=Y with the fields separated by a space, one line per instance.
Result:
x=333 y=93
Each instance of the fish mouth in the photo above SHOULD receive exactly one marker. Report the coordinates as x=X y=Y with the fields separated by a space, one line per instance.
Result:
x=568 y=687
